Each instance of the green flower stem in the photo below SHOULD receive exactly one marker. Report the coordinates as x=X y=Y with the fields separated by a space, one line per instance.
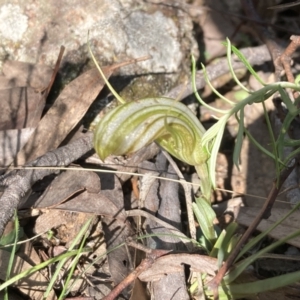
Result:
x=205 y=183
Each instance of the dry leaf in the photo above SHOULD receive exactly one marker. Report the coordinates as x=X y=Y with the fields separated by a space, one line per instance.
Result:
x=64 y=115
x=98 y=204
x=67 y=224
x=248 y=214
x=22 y=74
x=84 y=191
x=290 y=292
x=64 y=186
x=139 y=291
x=20 y=107
x=172 y=263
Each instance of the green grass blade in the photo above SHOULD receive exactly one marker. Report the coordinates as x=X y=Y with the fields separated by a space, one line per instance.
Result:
x=117 y=96
x=264 y=285
x=229 y=241
x=214 y=90
x=205 y=181
x=273 y=141
x=63 y=261
x=196 y=92
x=215 y=251
x=231 y=68
x=223 y=245
x=291 y=156
x=205 y=216
x=243 y=59
x=64 y=292
x=282 y=135
x=12 y=253
x=209 y=138
x=241 y=266
x=39 y=267
x=213 y=131
x=260 y=147
x=239 y=140
x=291 y=142
x=259 y=237
x=287 y=101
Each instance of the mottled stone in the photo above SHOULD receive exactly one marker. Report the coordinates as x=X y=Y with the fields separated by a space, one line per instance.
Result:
x=13 y=23
x=33 y=31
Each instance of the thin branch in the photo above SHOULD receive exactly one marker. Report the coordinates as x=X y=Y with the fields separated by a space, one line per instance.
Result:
x=255 y=55
x=144 y=265
x=17 y=183
x=263 y=214
x=56 y=68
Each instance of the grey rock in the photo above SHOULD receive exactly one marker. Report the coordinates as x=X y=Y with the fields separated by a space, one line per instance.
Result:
x=33 y=31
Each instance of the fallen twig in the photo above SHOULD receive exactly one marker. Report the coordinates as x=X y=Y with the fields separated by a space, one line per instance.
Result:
x=255 y=55
x=263 y=214
x=18 y=182
x=146 y=263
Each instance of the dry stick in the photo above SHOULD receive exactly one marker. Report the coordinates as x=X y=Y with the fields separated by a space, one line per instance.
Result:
x=255 y=55
x=264 y=213
x=146 y=263
x=130 y=61
x=56 y=68
x=18 y=183
x=286 y=58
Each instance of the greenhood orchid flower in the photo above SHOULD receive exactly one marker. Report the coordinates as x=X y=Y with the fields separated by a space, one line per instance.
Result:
x=171 y=124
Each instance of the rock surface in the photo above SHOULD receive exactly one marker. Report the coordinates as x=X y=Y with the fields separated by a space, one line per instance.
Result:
x=33 y=31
